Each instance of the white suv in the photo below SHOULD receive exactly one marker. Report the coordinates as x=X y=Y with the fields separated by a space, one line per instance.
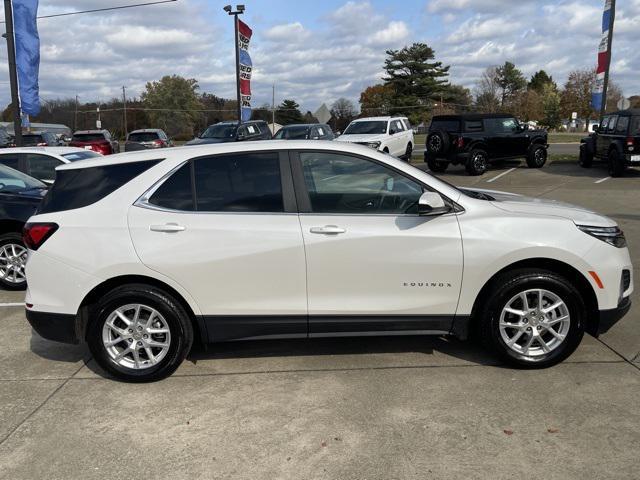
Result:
x=392 y=135
x=139 y=254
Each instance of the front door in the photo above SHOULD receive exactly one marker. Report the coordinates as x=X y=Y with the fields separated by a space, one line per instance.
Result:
x=225 y=229
x=373 y=264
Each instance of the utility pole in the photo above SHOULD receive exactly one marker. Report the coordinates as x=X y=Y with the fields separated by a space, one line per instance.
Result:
x=75 y=116
x=605 y=87
x=13 y=74
x=239 y=11
x=124 y=109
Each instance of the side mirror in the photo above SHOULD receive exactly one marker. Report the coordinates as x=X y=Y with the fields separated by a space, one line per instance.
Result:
x=596 y=127
x=240 y=136
x=524 y=127
x=392 y=131
x=431 y=203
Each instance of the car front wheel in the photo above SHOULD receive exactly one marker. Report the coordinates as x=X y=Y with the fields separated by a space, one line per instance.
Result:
x=537 y=157
x=585 y=159
x=139 y=333
x=533 y=318
x=13 y=258
x=478 y=162
x=616 y=167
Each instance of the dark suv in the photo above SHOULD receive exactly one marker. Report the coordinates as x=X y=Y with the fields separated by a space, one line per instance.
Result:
x=616 y=140
x=476 y=139
x=230 y=132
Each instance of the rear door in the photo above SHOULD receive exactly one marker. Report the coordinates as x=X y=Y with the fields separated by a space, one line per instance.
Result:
x=42 y=167
x=226 y=229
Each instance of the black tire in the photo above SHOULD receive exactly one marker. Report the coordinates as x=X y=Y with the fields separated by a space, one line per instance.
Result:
x=176 y=317
x=537 y=156
x=6 y=278
x=478 y=162
x=437 y=166
x=438 y=143
x=408 y=152
x=585 y=160
x=509 y=285
x=615 y=164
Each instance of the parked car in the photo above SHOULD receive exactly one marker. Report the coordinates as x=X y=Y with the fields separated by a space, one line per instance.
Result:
x=301 y=239
x=40 y=139
x=392 y=135
x=6 y=140
x=476 y=140
x=147 y=138
x=41 y=162
x=20 y=196
x=616 y=140
x=230 y=132
x=305 y=131
x=97 y=140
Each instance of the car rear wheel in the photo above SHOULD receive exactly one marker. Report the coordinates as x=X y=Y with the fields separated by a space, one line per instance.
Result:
x=537 y=156
x=533 y=318
x=437 y=166
x=616 y=167
x=408 y=152
x=585 y=160
x=139 y=333
x=477 y=163
x=13 y=258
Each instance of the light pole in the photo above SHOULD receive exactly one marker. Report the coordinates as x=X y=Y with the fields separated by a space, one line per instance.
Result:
x=238 y=11
x=13 y=73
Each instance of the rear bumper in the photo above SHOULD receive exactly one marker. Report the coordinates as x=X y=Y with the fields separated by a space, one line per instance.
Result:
x=632 y=159
x=608 y=318
x=60 y=327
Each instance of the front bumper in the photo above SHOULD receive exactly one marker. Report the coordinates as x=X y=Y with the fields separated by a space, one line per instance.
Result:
x=60 y=327
x=608 y=318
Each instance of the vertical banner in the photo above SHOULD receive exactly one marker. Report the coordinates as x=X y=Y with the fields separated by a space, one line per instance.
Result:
x=27 y=42
x=604 y=55
x=244 y=37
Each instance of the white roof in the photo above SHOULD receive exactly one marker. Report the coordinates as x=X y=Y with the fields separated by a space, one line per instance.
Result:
x=384 y=119
x=53 y=150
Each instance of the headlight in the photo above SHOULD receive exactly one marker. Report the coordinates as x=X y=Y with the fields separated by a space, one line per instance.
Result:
x=375 y=145
x=612 y=235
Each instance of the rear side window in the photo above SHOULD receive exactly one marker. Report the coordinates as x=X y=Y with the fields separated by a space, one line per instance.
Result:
x=446 y=125
x=473 y=126
x=10 y=160
x=80 y=187
x=623 y=123
x=635 y=126
x=43 y=167
x=175 y=193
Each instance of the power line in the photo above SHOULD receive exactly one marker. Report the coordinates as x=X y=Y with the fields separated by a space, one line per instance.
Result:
x=145 y=4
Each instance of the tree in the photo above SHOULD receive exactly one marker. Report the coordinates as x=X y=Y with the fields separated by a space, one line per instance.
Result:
x=458 y=97
x=614 y=95
x=342 y=111
x=540 y=80
x=376 y=100
x=486 y=91
x=288 y=112
x=576 y=94
x=635 y=101
x=309 y=118
x=416 y=80
x=510 y=81
x=552 y=117
x=174 y=104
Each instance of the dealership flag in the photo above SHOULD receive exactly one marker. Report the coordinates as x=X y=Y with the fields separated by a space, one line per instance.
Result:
x=604 y=56
x=27 y=44
x=244 y=37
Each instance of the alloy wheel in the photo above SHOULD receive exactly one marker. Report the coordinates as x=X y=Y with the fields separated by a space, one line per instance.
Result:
x=13 y=258
x=539 y=156
x=479 y=162
x=435 y=143
x=534 y=322
x=136 y=336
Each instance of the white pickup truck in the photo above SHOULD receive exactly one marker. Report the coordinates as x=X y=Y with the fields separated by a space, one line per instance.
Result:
x=392 y=135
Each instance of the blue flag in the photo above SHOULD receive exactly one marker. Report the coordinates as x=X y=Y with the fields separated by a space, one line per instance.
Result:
x=27 y=42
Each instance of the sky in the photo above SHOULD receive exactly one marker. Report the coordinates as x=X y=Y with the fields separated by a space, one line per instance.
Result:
x=316 y=52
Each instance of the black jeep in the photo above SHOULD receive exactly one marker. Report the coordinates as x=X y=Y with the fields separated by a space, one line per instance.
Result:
x=476 y=139
x=616 y=140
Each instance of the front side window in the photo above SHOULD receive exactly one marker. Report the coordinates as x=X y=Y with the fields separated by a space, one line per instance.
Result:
x=622 y=125
x=398 y=126
x=43 y=167
x=350 y=185
x=604 y=124
x=502 y=125
x=612 y=124
x=12 y=181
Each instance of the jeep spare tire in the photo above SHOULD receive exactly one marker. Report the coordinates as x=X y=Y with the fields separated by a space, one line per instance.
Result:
x=438 y=143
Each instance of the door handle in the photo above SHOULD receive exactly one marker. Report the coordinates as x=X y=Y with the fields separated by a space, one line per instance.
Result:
x=328 y=230
x=167 y=228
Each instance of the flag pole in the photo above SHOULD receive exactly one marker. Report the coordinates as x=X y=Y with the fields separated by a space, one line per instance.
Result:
x=605 y=86
x=239 y=10
x=13 y=74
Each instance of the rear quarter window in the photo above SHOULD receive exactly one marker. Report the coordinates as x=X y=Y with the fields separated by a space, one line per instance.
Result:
x=446 y=125
x=473 y=126
x=81 y=187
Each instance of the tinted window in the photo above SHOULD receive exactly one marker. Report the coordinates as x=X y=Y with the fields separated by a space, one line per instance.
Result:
x=612 y=124
x=604 y=124
x=220 y=130
x=473 y=126
x=501 y=125
x=32 y=140
x=14 y=181
x=293 y=133
x=143 y=136
x=398 y=126
x=623 y=123
x=635 y=126
x=445 y=125
x=88 y=137
x=80 y=187
x=239 y=183
x=344 y=184
x=43 y=167
x=10 y=160
x=175 y=193
x=366 y=128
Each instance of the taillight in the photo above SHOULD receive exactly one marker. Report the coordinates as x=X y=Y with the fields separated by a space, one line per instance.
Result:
x=41 y=144
x=460 y=142
x=630 y=143
x=158 y=143
x=35 y=234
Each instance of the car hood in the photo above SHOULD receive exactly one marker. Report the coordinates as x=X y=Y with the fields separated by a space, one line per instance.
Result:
x=204 y=141
x=361 y=138
x=514 y=203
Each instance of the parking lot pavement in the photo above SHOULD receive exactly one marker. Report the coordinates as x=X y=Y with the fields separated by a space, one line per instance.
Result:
x=351 y=408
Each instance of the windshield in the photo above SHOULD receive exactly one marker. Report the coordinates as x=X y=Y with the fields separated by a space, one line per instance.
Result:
x=88 y=137
x=293 y=133
x=635 y=126
x=14 y=181
x=73 y=156
x=220 y=131
x=366 y=128
x=31 y=140
x=143 y=137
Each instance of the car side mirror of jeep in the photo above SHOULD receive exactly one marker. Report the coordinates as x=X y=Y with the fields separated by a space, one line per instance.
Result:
x=431 y=204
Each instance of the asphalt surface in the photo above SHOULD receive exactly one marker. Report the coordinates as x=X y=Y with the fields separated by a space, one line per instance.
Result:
x=357 y=408
x=554 y=149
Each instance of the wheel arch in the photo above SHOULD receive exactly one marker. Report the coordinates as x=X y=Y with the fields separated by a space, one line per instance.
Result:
x=478 y=144
x=91 y=299
x=10 y=226
x=556 y=266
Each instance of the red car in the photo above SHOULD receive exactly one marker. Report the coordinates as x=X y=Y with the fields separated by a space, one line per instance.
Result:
x=97 y=140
